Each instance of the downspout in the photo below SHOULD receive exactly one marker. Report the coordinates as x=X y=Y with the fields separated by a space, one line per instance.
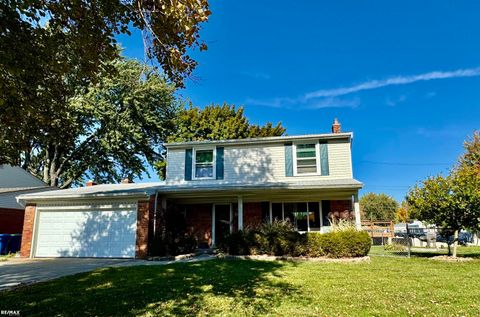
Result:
x=155 y=215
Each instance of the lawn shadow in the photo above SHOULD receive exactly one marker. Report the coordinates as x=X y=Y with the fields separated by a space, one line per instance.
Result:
x=205 y=287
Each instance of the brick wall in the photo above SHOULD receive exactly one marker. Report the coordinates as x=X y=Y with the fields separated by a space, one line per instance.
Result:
x=342 y=209
x=252 y=215
x=199 y=222
x=27 y=232
x=141 y=248
x=11 y=220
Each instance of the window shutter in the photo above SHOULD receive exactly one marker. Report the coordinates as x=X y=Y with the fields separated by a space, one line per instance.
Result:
x=288 y=159
x=219 y=162
x=188 y=164
x=324 y=158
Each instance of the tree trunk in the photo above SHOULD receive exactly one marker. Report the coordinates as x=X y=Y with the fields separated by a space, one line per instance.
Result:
x=455 y=243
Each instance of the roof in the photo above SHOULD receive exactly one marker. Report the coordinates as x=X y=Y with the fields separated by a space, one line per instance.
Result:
x=275 y=139
x=14 y=178
x=147 y=189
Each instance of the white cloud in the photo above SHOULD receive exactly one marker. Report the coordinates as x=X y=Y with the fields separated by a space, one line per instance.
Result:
x=397 y=80
x=334 y=103
x=327 y=97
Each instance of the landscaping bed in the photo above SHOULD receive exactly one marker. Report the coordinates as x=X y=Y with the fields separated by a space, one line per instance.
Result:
x=280 y=239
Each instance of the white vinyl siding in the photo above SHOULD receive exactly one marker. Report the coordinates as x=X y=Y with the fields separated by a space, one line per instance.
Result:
x=263 y=163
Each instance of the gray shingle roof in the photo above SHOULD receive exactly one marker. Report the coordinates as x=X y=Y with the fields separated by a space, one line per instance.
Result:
x=147 y=189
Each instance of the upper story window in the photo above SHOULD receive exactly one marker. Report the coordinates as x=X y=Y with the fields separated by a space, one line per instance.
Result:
x=204 y=163
x=306 y=160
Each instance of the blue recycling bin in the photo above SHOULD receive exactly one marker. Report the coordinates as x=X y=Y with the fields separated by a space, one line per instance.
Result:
x=14 y=244
x=4 y=240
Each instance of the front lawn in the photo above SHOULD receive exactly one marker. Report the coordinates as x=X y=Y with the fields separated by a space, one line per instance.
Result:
x=386 y=286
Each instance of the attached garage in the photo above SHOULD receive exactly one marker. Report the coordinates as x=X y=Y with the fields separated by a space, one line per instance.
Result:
x=95 y=230
x=105 y=221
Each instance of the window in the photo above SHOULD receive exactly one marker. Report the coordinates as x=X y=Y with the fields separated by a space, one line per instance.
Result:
x=204 y=163
x=304 y=216
x=306 y=158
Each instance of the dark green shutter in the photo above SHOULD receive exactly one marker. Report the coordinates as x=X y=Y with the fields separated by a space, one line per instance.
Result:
x=219 y=159
x=288 y=159
x=188 y=164
x=324 y=158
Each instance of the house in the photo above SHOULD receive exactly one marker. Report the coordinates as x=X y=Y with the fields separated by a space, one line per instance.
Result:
x=15 y=181
x=217 y=186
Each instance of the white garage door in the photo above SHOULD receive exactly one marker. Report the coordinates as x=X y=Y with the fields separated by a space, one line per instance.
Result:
x=86 y=231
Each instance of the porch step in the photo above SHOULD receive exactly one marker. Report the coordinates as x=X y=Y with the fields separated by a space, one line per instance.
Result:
x=206 y=251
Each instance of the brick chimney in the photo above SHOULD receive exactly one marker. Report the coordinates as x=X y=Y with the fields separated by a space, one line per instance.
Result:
x=126 y=180
x=336 y=126
x=90 y=183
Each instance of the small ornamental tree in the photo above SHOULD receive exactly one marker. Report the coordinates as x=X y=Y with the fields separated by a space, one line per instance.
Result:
x=378 y=206
x=451 y=203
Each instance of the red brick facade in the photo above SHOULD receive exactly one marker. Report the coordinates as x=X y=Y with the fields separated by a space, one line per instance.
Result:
x=252 y=215
x=143 y=213
x=342 y=209
x=199 y=222
x=11 y=220
x=27 y=233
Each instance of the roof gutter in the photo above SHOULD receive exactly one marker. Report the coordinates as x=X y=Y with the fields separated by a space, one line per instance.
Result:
x=23 y=199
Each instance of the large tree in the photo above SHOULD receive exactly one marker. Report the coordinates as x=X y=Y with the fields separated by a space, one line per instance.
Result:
x=451 y=202
x=52 y=50
x=219 y=122
x=108 y=132
x=378 y=206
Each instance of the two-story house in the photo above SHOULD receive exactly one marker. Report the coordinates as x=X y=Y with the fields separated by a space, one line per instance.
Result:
x=216 y=186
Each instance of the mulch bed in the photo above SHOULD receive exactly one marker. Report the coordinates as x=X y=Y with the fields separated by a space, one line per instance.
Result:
x=447 y=258
x=292 y=258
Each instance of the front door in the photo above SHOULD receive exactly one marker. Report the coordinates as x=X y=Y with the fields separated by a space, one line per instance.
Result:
x=222 y=222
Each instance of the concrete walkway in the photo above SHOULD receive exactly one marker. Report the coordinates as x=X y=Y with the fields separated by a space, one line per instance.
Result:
x=16 y=272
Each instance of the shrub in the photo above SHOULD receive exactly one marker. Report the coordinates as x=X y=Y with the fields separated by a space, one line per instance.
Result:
x=280 y=238
x=339 y=244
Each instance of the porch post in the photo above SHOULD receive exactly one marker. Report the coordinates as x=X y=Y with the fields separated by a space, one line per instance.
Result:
x=213 y=225
x=240 y=213
x=231 y=218
x=356 y=206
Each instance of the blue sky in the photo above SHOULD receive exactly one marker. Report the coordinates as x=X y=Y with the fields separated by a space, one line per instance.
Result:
x=404 y=76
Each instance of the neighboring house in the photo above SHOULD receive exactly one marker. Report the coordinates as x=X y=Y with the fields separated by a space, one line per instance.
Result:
x=15 y=181
x=217 y=186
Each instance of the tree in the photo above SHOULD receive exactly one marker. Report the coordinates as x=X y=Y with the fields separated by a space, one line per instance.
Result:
x=52 y=50
x=107 y=132
x=402 y=213
x=169 y=29
x=378 y=206
x=471 y=157
x=452 y=203
x=217 y=122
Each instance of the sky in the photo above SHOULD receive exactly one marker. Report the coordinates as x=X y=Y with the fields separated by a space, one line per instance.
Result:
x=403 y=76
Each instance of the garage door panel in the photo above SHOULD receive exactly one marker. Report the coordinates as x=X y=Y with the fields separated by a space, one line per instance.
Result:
x=77 y=233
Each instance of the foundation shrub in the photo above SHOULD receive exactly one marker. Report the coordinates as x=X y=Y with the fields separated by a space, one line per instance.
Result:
x=280 y=239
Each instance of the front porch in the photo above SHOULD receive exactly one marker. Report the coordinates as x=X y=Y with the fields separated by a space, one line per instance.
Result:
x=211 y=216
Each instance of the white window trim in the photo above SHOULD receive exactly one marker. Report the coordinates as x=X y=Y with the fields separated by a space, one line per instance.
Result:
x=317 y=153
x=194 y=162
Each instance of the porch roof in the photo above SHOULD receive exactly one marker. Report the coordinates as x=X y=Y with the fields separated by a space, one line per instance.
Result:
x=144 y=190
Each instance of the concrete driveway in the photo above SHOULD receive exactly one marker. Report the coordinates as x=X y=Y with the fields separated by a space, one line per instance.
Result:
x=15 y=272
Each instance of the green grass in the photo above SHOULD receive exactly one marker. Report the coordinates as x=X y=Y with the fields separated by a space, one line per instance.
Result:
x=470 y=251
x=385 y=286
x=6 y=257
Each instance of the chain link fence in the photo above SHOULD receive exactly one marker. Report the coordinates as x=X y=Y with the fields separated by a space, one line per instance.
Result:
x=406 y=240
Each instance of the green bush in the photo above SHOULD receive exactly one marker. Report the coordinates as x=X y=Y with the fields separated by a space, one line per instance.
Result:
x=280 y=238
x=339 y=244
